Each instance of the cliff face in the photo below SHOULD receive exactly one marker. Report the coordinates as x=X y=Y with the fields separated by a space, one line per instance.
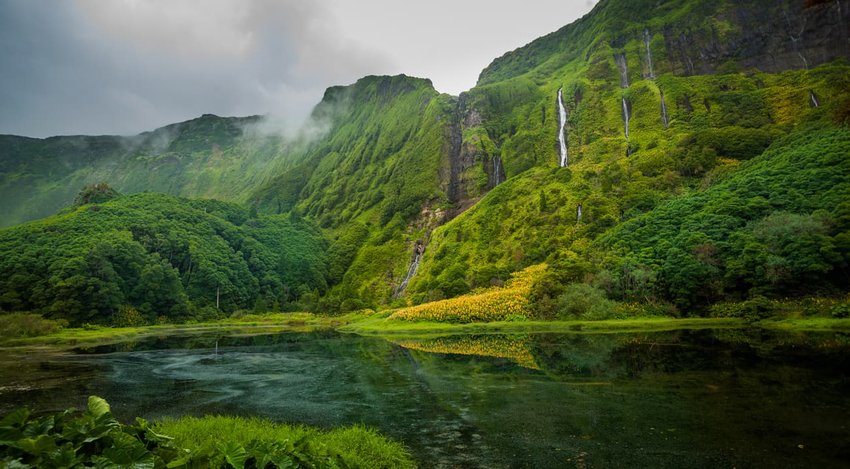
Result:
x=662 y=98
x=768 y=36
x=698 y=37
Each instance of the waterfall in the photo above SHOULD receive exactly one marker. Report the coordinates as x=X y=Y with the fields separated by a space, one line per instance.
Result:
x=813 y=100
x=647 y=38
x=562 y=126
x=497 y=171
x=664 y=117
x=411 y=271
x=626 y=116
x=578 y=214
x=623 y=67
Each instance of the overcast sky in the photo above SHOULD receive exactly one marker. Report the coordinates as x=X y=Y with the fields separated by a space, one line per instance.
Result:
x=126 y=66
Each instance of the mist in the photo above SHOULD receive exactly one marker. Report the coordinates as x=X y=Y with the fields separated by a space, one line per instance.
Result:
x=126 y=66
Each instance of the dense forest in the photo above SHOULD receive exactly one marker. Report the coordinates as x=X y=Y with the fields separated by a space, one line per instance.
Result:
x=148 y=257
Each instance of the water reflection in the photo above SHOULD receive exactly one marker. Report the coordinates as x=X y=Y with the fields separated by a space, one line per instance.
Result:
x=672 y=399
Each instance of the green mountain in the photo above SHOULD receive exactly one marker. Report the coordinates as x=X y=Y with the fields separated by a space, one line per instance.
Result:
x=211 y=157
x=663 y=101
x=675 y=152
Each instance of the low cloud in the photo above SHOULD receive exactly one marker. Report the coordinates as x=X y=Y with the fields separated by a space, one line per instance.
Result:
x=126 y=66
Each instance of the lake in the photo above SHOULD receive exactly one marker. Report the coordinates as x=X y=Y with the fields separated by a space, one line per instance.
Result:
x=703 y=398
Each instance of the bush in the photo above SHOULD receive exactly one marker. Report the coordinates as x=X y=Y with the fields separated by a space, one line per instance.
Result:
x=841 y=311
x=14 y=325
x=583 y=301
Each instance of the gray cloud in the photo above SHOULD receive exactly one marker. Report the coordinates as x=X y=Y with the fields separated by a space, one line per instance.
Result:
x=125 y=66
x=106 y=67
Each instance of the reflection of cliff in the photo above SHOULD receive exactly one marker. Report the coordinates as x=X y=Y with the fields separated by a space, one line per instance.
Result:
x=515 y=349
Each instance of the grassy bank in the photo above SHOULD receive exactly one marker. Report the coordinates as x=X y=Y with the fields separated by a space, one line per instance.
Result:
x=217 y=440
x=249 y=324
x=386 y=323
x=378 y=325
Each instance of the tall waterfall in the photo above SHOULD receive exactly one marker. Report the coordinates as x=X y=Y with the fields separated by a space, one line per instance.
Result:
x=623 y=67
x=647 y=38
x=497 y=171
x=626 y=116
x=562 y=127
x=813 y=100
x=411 y=271
x=578 y=214
x=664 y=117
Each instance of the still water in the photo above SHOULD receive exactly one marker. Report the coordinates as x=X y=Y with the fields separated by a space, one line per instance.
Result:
x=724 y=398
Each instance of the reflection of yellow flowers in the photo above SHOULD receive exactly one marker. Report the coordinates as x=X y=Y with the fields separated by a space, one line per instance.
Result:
x=495 y=304
x=486 y=346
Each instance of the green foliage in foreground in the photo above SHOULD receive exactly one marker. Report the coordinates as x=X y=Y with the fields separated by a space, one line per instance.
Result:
x=96 y=439
x=93 y=439
x=233 y=439
x=148 y=258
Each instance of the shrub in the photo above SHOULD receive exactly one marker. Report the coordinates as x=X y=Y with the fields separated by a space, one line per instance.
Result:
x=15 y=325
x=583 y=301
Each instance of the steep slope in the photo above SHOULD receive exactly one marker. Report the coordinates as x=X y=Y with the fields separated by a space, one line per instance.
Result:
x=141 y=256
x=389 y=170
x=654 y=100
x=213 y=157
x=779 y=225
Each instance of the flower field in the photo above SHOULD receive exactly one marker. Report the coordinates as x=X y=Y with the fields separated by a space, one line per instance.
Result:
x=494 y=304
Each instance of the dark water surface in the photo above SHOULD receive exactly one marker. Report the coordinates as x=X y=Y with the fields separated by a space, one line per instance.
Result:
x=725 y=398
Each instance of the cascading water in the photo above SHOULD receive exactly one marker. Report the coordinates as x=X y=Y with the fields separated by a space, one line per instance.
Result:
x=562 y=128
x=497 y=171
x=813 y=100
x=664 y=117
x=626 y=116
x=647 y=38
x=578 y=214
x=623 y=67
x=411 y=271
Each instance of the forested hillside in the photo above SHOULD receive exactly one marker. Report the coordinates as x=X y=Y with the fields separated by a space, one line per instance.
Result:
x=148 y=257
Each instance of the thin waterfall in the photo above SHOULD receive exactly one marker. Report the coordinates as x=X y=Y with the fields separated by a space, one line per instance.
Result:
x=664 y=117
x=497 y=171
x=813 y=100
x=562 y=127
x=626 y=116
x=647 y=38
x=411 y=271
x=623 y=67
x=578 y=214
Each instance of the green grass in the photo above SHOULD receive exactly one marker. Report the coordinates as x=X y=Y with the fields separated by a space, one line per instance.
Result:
x=380 y=326
x=357 y=447
x=807 y=324
x=250 y=324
